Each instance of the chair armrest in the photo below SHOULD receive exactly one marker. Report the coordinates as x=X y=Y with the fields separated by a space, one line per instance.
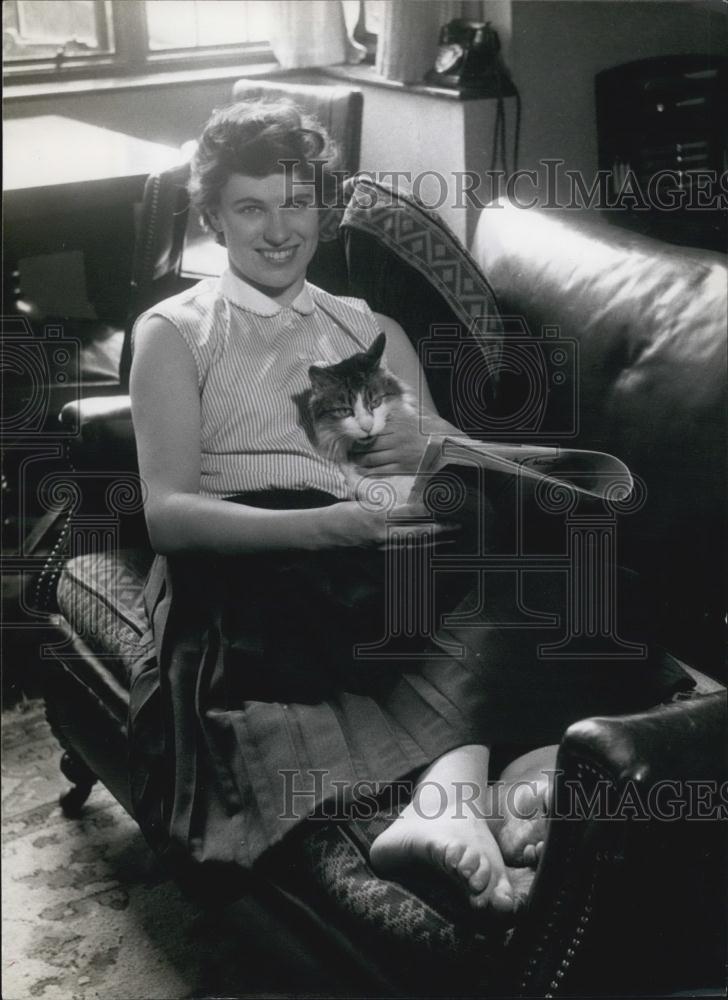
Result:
x=684 y=740
x=101 y=492
x=100 y=433
x=604 y=833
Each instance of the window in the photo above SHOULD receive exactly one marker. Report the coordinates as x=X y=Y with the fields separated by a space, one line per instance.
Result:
x=53 y=38
x=37 y=29
x=177 y=24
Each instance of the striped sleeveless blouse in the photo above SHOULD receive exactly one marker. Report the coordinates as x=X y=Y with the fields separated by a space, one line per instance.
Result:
x=252 y=357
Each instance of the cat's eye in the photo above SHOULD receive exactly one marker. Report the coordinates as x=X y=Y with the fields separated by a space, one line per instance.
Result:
x=342 y=411
x=376 y=401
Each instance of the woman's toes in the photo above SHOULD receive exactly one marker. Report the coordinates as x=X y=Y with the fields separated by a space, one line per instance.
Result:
x=522 y=880
x=502 y=898
x=480 y=878
x=530 y=855
x=453 y=857
x=539 y=849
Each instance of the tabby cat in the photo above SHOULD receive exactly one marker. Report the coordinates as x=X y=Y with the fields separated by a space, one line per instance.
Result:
x=351 y=402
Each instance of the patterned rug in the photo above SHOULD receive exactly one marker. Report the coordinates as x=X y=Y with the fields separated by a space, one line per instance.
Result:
x=86 y=911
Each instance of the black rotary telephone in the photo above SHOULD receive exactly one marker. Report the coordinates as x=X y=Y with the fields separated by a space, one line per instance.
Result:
x=468 y=60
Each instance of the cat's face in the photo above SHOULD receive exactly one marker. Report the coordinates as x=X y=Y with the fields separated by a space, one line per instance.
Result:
x=351 y=399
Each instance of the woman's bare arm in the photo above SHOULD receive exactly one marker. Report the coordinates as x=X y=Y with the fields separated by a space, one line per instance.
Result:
x=403 y=361
x=166 y=414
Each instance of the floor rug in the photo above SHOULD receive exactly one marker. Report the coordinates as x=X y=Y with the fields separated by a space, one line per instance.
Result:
x=87 y=912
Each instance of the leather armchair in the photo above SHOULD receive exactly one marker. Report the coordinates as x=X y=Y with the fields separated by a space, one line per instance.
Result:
x=608 y=882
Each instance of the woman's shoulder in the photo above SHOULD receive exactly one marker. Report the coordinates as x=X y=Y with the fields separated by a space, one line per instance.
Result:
x=342 y=303
x=199 y=299
x=194 y=313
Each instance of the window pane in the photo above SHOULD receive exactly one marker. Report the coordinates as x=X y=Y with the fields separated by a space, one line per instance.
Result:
x=175 y=24
x=38 y=29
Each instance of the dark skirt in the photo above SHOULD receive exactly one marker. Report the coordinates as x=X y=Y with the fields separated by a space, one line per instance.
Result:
x=255 y=710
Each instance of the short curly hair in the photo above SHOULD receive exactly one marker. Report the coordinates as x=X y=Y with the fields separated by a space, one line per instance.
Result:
x=253 y=138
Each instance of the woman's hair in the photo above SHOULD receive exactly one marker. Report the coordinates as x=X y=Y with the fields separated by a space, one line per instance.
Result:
x=252 y=138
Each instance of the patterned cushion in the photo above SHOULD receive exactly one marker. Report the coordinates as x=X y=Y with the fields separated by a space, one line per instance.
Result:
x=100 y=595
x=428 y=920
x=406 y=263
x=417 y=235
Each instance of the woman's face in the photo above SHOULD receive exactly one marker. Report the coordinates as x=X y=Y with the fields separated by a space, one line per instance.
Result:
x=271 y=231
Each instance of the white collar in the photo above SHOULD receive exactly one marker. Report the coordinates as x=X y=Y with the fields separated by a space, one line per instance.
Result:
x=244 y=295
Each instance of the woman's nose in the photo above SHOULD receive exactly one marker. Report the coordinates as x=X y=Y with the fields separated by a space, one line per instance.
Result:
x=277 y=229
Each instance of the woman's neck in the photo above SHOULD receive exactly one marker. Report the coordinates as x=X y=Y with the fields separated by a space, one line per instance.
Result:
x=281 y=296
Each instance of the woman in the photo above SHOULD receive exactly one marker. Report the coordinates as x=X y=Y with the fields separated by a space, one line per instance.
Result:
x=254 y=713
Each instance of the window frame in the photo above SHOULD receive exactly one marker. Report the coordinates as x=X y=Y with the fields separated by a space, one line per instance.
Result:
x=132 y=54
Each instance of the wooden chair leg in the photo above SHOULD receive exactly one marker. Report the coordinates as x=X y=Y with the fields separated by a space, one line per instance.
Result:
x=82 y=779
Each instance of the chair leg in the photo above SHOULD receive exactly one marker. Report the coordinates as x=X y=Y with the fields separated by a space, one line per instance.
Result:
x=82 y=779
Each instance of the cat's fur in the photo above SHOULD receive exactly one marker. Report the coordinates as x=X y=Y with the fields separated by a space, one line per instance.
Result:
x=351 y=401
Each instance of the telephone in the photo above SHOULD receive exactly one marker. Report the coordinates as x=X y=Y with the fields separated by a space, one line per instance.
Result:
x=468 y=60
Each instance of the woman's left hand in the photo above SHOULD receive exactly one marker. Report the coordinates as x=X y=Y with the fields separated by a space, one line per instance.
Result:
x=400 y=446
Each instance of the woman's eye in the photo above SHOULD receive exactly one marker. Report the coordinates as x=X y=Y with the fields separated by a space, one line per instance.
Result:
x=248 y=210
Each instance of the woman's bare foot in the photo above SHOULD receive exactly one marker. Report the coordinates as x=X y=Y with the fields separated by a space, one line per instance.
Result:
x=520 y=819
x=460 y=845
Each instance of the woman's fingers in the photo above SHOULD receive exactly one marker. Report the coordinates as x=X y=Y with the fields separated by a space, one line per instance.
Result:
x=389 y=468
x=428 y=535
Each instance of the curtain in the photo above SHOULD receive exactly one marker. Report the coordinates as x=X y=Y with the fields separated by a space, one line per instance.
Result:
x=408 y=40
x=305 y=33
x=309 y=33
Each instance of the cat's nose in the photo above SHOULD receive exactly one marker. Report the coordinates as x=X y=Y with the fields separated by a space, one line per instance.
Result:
x=366 y=423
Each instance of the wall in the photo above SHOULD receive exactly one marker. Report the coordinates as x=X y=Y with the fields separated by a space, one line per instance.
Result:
x=558 y=46
x=421 y=134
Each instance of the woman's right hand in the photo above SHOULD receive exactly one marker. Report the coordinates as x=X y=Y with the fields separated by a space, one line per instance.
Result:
x=351 y=524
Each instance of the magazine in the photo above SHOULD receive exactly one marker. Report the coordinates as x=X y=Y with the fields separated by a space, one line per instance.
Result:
x=591 y=473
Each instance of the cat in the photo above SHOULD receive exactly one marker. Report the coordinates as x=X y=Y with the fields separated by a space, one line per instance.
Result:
x=351 y=401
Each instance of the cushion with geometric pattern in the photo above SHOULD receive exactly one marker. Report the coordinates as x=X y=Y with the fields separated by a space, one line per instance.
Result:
x=408 y=264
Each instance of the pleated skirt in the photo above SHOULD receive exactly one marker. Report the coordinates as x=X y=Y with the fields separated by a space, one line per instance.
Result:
x=281 y=688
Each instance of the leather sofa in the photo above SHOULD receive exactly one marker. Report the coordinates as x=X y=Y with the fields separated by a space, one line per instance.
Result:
x=647 y=327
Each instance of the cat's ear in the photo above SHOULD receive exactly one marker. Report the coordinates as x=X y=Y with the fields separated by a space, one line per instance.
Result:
x=376 y=350
x=320 y=377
